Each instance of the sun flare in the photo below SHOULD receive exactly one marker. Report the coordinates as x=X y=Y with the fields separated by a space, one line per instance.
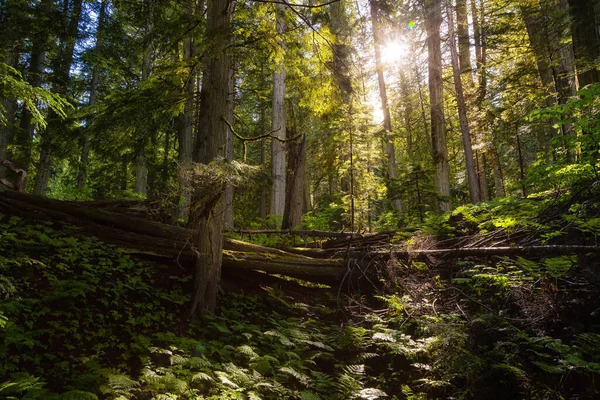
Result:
x=394 y=51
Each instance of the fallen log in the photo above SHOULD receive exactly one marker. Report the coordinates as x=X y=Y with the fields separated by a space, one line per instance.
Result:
x=150 y=238
x=147 y=238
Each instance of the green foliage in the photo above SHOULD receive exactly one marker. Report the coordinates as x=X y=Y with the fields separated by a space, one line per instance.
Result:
x=14 y=87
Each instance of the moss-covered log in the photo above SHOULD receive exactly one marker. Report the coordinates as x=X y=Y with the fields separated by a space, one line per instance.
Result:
x=166 y=241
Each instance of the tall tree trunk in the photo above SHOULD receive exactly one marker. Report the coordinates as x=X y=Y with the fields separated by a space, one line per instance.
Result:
x=208 y=219
x=85 y=145
x=555 y=61
x=264 y=192
x=387 y=118
x=34 y=77
x=342 y=49
x=60 y=86
x=462 y=114
x=433 y=20
x=294 y=199
x=185 y=122
x=123 y=178
x=229 y=190
x=585 y=29
x=141 y=170
x=498 y=181
x=278 y=123
x=464 y=44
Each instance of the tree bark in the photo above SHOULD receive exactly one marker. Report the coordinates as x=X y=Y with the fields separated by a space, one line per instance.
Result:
x=585 y=29
x=433 y=20
x=390 y=148
x=61 y=86
x=95 y=82
x=462 y=115
x=294 y=199
x=229 y=190
x=464 y=44
x=482 y=173
x=34 y=77
x=208 y=219
x=278 y=121
x=546 y=26
x=498 y=181
x=141 y=170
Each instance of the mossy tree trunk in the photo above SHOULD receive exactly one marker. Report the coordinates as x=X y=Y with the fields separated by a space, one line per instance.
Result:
x=208 y=219
x=433 y=20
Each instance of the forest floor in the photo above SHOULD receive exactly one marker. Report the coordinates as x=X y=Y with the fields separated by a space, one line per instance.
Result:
x=81 y=319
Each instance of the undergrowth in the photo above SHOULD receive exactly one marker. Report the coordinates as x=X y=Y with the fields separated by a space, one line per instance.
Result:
x=80 y=319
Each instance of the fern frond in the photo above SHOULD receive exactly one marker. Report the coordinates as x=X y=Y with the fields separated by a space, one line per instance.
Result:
x=318 y=345
x=372 y=394
x=302 y=378
x=198 y=363
x=225 y=379
x=253 y=396
x=202 y=377
x=118 y=383
x=355 y=369
x=78 y=395
x=247 y=351
x=284 y=340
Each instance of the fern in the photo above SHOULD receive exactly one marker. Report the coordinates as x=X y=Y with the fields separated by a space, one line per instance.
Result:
x=118 y=384
x=78 y=395
x=201 y=377
x=302 y=378
x=226 y=379
x=247 y=351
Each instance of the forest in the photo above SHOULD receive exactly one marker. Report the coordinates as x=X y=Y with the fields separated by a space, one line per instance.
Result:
x=299 y=199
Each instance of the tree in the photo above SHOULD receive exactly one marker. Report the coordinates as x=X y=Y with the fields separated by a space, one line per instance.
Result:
x=94 y=84
x=278 y=121
x=207 y=217
x=433 y=20
x=387 y=118
x=61 y=74
x=462 y=114
x=585 y=29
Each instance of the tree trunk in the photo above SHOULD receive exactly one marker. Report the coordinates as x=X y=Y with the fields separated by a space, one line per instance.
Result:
x=433 y=20
x=209 y=219
x=184 y=125
x=34 y=77
x=484 y=192
x=85 y=145
x=464 y=44
x=387 y=118
x=264 y=193
x=141 y=174
x=229 y=190
x=342 y=50
x=60 y=86
x=555 y=61
x=294 y=199
x=498 y=182
x=278 y=123
x=141 y=170
x=462 y=115
x=585 y=29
